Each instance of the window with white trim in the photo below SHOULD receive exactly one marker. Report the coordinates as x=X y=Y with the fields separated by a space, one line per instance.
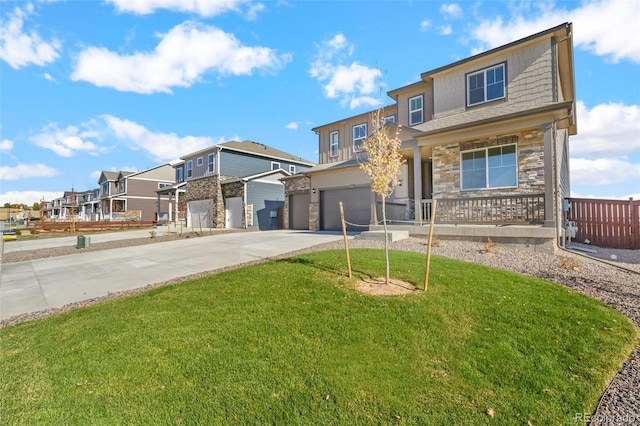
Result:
x=495 y=167
x=292 y=169
x=486 y=85
x=416 y=110
x=390 y=119
x=199 y=161
x=333 y=144
x=211 y=163
x=179 y=174
x=275 y=165
x=359 y=135
x=189 y=169
x=163 y=185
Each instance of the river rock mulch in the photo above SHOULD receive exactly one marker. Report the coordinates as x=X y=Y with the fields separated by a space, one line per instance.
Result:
x=615 y=282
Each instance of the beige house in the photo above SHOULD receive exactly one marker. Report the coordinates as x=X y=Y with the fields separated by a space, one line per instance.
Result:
x=486 y=136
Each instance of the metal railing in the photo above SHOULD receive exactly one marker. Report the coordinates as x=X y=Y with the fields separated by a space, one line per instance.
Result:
x=504 y=209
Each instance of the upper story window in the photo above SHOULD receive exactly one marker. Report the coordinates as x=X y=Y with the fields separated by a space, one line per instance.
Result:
x=390 y=119
x=275 y=165
x=179 y=174
x=485 y=85
x=104 y=188
x=359 y=135
x=163 y=185
x=199 y=161
x=416 y=110
x=211 y=165
x=189 y=169
x=292 y=169
x=333 y=144
x=495 y=167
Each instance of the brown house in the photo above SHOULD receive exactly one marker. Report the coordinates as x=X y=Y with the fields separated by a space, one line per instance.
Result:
x=133 y=195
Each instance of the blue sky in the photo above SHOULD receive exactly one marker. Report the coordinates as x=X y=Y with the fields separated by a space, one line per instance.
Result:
x=87 y=86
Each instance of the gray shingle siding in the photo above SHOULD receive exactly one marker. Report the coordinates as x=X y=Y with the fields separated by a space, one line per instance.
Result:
x=265 y=197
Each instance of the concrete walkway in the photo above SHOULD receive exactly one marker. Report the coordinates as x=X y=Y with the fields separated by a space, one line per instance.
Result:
x=54 y=282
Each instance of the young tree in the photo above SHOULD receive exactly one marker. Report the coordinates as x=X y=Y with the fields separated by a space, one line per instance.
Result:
x=382 y=166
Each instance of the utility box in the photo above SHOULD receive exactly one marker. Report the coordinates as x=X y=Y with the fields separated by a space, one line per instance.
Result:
x=83 y=242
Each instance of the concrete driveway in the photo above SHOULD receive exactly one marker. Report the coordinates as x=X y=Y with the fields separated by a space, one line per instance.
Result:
x=54 y=282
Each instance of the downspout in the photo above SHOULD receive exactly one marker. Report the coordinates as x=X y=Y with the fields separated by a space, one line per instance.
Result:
x=556 y=172
x=554 y=159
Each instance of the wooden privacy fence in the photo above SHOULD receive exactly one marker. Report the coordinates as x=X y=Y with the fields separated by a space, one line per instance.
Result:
x=85 y=226
x=606 y=223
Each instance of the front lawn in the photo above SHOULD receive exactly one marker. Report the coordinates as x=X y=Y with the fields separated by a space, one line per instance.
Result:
x=292 y=342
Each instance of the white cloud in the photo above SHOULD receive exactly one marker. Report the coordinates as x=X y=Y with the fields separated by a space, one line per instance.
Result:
x=95 y=174
x=28 y=197
x=606 y=129
x=68 y=141
x=164 y=146
x=20 y=48
x=445 y=29
x=424 y=25
x=205 y=8
x=353 y=84
x=181 y=58
x=47 y=76
x=602 y=27
x=6 y=145
x=292 y=126
x=253 y=10
x=24 y=171
x=452 y=10
x=603 y=171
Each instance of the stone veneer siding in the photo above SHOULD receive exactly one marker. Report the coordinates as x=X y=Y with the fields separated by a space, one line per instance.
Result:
x=295 y=185
x=236 y=189
x=530 y=152
x=314 y=216
x=208 y=188
x=530 y=149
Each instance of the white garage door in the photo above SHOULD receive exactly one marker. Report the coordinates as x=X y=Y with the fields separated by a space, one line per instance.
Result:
x=356 y=204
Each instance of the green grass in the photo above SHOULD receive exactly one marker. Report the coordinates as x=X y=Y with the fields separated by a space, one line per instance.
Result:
x=292 y=342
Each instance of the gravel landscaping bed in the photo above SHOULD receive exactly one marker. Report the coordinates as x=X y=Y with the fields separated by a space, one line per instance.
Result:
x=615 y=282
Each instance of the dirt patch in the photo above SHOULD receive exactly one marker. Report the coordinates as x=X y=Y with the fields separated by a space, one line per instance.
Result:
x=378 y=287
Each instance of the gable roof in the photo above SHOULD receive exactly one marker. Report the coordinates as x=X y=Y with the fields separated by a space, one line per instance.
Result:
x=108 y=176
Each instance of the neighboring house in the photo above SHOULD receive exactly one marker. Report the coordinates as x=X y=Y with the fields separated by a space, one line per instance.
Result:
x=89 y=205
x=235 y=184
x=487 y=136
x=128 y=195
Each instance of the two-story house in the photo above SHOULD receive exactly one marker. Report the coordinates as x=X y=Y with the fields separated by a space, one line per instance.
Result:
x=129 y=195
x=486 y=136
x=89 y=204
x=234 y=185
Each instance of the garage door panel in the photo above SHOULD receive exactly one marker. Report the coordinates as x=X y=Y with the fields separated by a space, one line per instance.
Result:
x=357 y=208
x=299 y=211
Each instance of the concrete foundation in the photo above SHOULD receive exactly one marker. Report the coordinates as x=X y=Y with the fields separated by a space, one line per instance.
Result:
x=392 y=235
x=526 y=237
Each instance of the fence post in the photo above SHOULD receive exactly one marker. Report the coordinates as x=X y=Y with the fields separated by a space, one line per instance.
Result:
x=635 y=224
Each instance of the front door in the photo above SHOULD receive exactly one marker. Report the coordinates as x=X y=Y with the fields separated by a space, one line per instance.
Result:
x=233 y=212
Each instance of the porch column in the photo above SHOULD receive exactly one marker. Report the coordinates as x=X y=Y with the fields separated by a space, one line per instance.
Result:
x=158 y=206
x=549 y=220
x=417 y=184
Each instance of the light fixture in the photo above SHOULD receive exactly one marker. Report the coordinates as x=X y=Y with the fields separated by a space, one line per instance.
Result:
x=313 y=191
x=399 y=182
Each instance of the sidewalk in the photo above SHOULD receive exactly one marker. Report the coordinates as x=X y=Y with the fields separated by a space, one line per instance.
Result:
x=11 y=246
x=54 y=282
